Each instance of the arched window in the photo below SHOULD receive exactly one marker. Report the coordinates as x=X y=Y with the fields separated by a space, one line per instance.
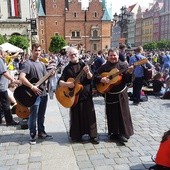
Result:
x=54 y=6
x=75 y=14
x=42 y=32
x=42 y=41
x=41 y=22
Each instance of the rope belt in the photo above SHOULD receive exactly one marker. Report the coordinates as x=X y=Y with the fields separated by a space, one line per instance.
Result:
x=116 y=93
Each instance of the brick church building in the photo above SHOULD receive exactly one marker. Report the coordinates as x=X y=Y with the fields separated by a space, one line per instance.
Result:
x=91 y=26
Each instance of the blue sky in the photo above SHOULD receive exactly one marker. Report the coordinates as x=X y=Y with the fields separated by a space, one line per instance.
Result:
x=117 y=5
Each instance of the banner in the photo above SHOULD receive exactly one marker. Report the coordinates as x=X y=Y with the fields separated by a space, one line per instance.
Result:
x=14 y=8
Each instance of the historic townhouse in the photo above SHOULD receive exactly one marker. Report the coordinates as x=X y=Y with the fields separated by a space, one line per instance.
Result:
x=131 y=26
x=156 y=22
x=165 y=21
x=147 y=26
x=89 y=26
x=138 y=27
x=15 y=17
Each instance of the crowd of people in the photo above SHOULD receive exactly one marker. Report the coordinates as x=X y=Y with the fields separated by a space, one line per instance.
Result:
x=110 y=74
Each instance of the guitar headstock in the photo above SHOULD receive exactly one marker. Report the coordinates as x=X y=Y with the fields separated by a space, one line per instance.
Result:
x=141 y=62
x=90 y=61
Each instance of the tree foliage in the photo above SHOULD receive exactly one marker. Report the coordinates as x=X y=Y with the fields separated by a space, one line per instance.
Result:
x=19 y=41
x=150 y=46
x=2 y=40
x=161 y=45
x=57 y=43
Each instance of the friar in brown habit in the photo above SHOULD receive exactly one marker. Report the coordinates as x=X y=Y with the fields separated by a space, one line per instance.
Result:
x=114 y=89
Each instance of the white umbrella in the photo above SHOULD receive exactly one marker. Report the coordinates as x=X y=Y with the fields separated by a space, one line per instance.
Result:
x=10 y=48
x=65 y=47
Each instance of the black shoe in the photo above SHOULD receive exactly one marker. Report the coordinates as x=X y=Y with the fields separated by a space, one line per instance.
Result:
x=94 y=141
x=76 y=140
x=114 y=137
x=44 y=135
x=136 y=103
x=123 y=139
x=32 y=139
x=12 y=123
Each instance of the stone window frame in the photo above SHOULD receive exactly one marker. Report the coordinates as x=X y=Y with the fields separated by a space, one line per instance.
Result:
x=74 y=34
x=56 y=33
x=54 y=5
x=93 y=30
x=42 y=31
x=42 y=41
x=41 y=22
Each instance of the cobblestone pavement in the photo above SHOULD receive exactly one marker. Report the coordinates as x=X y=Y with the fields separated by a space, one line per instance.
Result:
x=18 y=154
x=150 y=120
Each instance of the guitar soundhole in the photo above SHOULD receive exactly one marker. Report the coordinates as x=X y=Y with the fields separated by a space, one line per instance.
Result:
x=71 y=93
x=70 y=89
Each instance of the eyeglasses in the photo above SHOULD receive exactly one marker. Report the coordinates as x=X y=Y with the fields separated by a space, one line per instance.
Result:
x=37 y=50
x=73 y=54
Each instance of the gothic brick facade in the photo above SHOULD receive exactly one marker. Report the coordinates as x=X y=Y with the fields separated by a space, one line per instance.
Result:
x=77 y=26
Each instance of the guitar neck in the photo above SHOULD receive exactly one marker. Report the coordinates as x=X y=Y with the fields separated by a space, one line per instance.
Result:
x=77 y=79
x=43 y=79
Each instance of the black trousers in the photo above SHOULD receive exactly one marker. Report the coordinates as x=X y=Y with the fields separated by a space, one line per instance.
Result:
x=137 y=86
x=5 y=106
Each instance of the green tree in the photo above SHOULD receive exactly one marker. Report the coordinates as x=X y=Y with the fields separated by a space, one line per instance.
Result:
x=162 y=45
x=150 y=46
x=168 y=45
x=19 y=41
x=57 y=43
x=2 y=40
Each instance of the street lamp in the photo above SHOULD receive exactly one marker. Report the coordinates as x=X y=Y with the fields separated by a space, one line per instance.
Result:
x=122 y=21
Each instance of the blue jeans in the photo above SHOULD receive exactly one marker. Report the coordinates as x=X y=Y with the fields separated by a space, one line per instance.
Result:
x=37 y=115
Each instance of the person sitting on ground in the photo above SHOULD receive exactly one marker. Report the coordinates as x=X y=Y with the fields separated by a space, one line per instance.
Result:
x=158 y=85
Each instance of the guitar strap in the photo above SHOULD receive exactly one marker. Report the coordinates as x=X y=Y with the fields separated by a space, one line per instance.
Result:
x=136 y=58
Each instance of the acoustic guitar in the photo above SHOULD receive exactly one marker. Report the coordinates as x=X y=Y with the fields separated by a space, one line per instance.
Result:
x=26 y=96
x=68 y=97
x=115 y=77
x=22 y=111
